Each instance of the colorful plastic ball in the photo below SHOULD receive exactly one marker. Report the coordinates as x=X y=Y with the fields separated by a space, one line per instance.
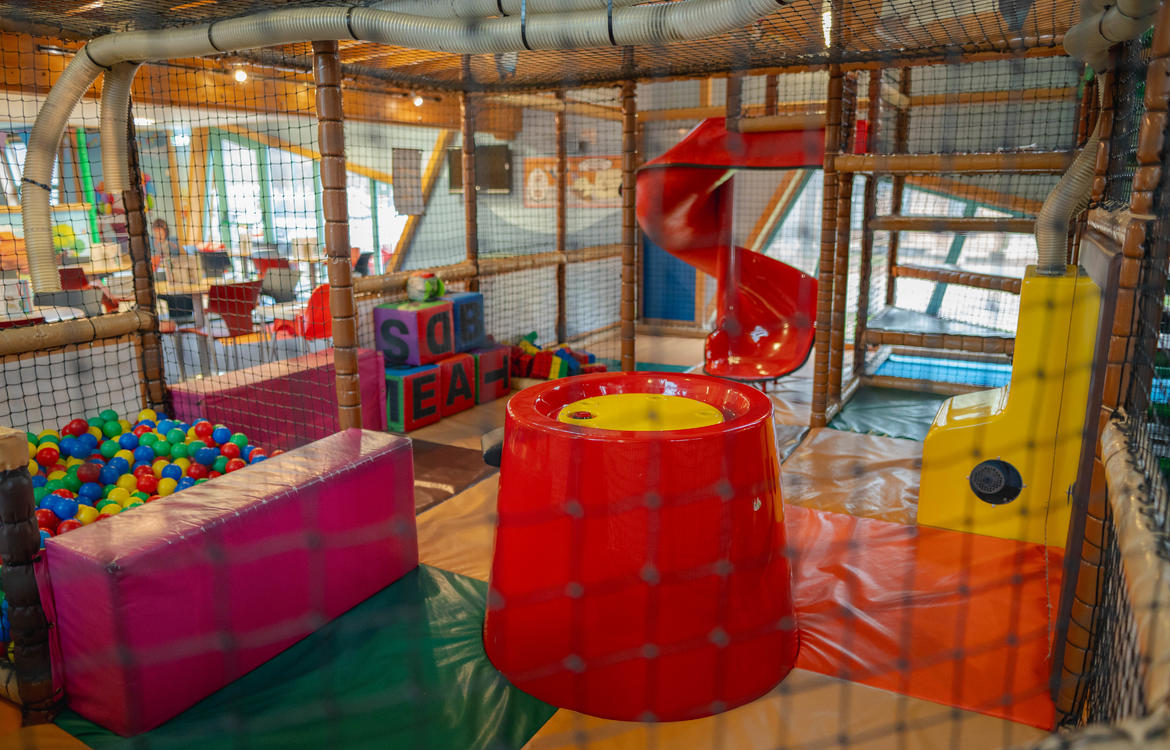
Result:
x=132 y=504
x=108 y=415
x=54 y=484
x=231 y=450
x=148 y=438
x=201 y=480
x=91 y=491
x=76 y=428
x=69 y=446
x=161 y=448
x=47 y=519
x=197 y=471
x=234 y=464
x=221 y=434
x=176 y=435
x=125 y=425
x=147 y=414
x=246 y=451
x=51 y=436
x=68 y=524
x=64 y=507
x=171 y=471
x=127 y=482
x=165 y=426
x=147 y=484
x=108 y=449
x=182 y=463
x=95 y=421
x=152 y=498
x=206 y=456
x=32 y=449
x=65 y=493
x=33 y=468
x=45 y=536
x=128 y=440
x=86 y=514
x=144 y=453
x=39 y=492
x=111 y=429
x=142 y=469
x=47 y=455
x=57 y=474
x=72 y=483
x=213 y=474
x=184 y=483
x=119 y=494
x=140 y=430
x=38 y=481
x=105 y=503
x=167 y=486
x=220 y=464
x=203 y=429
x=112 y=509
x=89 y=440
x=239 y=439
x=179 y=450
x=257 y=457
x=109 y=475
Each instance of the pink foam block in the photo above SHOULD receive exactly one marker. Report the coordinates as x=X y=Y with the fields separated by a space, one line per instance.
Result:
x=159 y=607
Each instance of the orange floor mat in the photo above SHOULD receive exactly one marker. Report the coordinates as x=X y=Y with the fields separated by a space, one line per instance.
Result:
x=955 y=618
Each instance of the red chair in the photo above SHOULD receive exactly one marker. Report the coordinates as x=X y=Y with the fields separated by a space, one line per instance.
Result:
x=73 y=278
x=314 y=322
x=264 y=264
x=232 y=304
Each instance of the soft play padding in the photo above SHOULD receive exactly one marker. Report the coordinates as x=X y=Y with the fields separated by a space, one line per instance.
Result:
x=158 y=608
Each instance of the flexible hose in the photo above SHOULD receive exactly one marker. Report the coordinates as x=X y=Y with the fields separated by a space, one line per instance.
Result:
x=114 y=121
x=600 y=27
x=488 y=8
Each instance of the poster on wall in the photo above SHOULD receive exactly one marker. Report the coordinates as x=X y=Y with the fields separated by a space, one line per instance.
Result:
x=591 y=181
x=406 y=171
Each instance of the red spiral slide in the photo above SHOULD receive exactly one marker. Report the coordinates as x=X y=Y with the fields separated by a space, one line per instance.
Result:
x=766 y=309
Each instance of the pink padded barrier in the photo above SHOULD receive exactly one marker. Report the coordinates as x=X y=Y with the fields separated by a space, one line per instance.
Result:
x=278 y=404
x=158 y=608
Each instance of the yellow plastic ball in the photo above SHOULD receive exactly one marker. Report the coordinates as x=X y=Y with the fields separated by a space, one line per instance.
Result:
x=182 y=463
x=32 y=450
x=147 y=414
x=126 y=426
x=126 y=455
x=126 y=503
x=57 y=475
x=42 y=433
x=33 y=468
x=190 y=433
x=166 y=486
x=128 y=482
x=118 y=494
x=112 y=510
x=97 y=433
x=73 y=461
x=158 y=466
x=86 y=514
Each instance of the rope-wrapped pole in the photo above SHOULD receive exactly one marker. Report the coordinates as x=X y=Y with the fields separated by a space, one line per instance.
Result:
x=562 y=219
x=629 y=224
x=825 y=277
x=20 y=543
x=334 y=204
x=865 y=264
x=467 y=113
x=901 y=139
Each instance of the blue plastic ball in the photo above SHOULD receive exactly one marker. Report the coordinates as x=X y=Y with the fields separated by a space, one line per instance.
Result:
x=89 y=440
x=128 y=440
x=206 y=456
x=110 y=474
x=39 y=481
x=44 y=537
x=171 y=471
x=165 y=426
x=69 y=446
x=120 y=464
x=148 y=422
x=258 y=459
x=143 y=453
x=221 y=435
x=246 y=451
x=90 y=491
x=64 y=507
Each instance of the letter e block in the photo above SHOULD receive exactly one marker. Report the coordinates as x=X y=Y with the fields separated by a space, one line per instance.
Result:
x=413 y=397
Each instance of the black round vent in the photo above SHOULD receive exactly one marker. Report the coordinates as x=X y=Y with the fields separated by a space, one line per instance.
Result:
x=996 y=482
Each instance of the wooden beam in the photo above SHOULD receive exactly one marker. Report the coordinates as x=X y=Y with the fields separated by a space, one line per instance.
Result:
x=429 y=178
x=953 y=275
x=307 y=153
x=1008 y=96
x=192 y=221
x=554 y=104
x=1039 y=162
x=952 y=224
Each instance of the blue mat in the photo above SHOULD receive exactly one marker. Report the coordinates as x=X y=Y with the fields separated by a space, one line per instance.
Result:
x=616 y=364
x=939 y=370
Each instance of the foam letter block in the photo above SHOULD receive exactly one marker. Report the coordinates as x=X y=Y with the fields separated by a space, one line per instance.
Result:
x=468 y=318
x=457 y=378
x=141 y=602
x=492 y=373
x=413 y=397
x=414 y=333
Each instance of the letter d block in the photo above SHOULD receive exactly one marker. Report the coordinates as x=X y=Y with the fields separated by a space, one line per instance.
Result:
x=413 y=397
x=414 y=333
x=468 y=318
x=492 y=373
x=457 y=377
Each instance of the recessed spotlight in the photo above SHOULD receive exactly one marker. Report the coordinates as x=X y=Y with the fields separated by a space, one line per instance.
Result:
x=143 y=121
x=241 y=75
x=418 y=100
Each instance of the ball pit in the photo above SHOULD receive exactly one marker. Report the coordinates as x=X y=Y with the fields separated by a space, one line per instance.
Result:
x=91 y=469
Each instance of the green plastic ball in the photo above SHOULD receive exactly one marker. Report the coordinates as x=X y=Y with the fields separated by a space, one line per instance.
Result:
x=72 y=483
x=106 y=490
x=133 y=504
x=111 y=428
x=201 y=481
x=109 y=415
x=148 y=439
x=39 y=492
x=50 y=439
x=103 y=503
x=176 y=436
x=55 y=484
x=179 y=450
x=162 y=449
x=31 y=438
x=220 y=464
x=109 y=448
x=72 y=470
x=139 y=494
x=239 y=439
x=95 y=422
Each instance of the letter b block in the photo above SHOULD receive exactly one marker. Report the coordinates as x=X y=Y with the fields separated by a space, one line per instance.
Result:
x=457 y=377
x=468 y=319
x=492 y=373
x=414 y=333
x=413 y=397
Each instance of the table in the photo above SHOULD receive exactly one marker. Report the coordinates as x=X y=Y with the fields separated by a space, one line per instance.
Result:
x=194 y=291
x=284 y=404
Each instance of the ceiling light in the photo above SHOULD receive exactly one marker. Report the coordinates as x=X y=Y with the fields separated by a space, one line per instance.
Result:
x=418 y=100
x=143 y=121
x=241 y=75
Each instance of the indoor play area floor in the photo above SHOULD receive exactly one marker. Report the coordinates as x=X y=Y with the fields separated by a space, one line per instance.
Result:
x=407 y=669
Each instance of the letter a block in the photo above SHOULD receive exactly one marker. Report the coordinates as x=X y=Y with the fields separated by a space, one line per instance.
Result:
x=457 y=378
x=468 y=318
x=413 y=397
x=414 y=333
x=492 y=373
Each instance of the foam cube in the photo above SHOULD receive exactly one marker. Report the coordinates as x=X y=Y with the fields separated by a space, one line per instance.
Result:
x=414 y=333
x=457 y=383
x=468 y=320
x=492 y=373
x=141 y=602
x=413 y=397
x=542 y=365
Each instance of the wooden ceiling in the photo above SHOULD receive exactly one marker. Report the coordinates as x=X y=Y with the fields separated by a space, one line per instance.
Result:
x=868 y=31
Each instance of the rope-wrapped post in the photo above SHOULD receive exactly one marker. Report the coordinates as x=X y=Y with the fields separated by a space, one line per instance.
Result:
x=154 y=390
x=562 y=219
x=771 y=94
x=629 y=224
x=901 y=139
x=467 y=106
x=865 y=269
x=841 y=254
x=734 y=102
x=334 y=204
x=20 y=543
x=825 y=276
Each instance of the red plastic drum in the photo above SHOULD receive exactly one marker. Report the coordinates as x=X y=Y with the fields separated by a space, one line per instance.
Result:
x=641 y=575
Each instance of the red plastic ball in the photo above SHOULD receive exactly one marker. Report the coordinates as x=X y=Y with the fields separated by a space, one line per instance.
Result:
x=143 y=471
x=231 y=450
x=101 y=516
x=276 y=453
x=256 y=455
x=90 y=472
x=47 y=519
x=65 y=493
x=56 y=467
x=76 y=428
x=141 y=430
x=151 y=499
x=147 y=483
x=48 y=456
x=196 y=470
x=204 y=429
x=235 y=464
x=213 y=474
x=68 y=525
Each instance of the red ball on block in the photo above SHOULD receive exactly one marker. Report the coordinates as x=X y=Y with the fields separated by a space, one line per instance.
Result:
x=413 y=397
x=492 y=373
x=457 y=384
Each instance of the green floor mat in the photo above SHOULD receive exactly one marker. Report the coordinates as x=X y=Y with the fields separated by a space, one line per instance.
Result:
x=616 y=364
x=889 y=411
x=404 y=669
